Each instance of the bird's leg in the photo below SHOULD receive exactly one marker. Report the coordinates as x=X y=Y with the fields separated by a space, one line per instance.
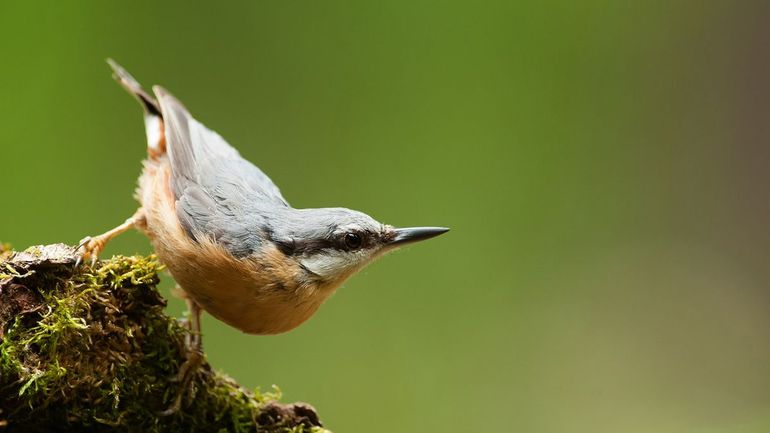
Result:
x=90 y=247
x=194 y=355
x=193 y=342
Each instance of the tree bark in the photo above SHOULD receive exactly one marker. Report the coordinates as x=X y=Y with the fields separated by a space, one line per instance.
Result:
x=90 y=348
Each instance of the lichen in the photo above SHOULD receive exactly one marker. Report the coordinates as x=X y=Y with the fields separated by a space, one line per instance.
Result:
x=90 y=348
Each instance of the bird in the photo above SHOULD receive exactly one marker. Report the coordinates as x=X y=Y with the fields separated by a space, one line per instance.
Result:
x=235 y=247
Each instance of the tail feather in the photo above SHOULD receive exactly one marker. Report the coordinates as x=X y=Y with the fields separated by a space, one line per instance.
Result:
x=133 y=87
x=153 y=118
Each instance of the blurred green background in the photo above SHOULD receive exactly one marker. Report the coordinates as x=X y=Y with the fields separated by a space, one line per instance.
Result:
x=603 y=166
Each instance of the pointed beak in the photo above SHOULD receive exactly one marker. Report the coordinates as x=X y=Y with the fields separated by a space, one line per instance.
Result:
x=414 y=234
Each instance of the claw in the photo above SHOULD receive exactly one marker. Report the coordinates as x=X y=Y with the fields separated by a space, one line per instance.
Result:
x=89 y=247
x=84 y=241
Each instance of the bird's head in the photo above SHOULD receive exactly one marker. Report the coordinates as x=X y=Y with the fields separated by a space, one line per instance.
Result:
x=331 y=244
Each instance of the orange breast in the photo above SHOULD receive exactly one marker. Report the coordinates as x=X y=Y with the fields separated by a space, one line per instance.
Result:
x=266 y=293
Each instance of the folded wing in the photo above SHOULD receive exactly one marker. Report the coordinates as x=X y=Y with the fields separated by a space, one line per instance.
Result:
x=218 y=193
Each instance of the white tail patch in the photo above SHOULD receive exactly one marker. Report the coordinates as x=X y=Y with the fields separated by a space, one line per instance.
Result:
x=154 y=129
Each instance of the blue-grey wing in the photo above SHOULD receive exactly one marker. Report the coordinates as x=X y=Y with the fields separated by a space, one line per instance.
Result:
x=218 y=193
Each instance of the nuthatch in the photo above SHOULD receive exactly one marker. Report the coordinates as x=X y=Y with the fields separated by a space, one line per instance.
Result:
x=229 y=238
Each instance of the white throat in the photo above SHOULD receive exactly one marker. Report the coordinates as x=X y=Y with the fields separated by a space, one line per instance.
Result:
x=330 y=265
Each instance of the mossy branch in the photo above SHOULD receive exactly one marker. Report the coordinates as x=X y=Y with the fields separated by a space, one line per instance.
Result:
x=90 y=349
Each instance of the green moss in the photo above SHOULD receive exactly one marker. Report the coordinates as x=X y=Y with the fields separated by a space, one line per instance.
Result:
x=91 y=349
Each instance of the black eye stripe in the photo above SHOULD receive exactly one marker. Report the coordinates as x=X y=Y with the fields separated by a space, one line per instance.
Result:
x=288 y=247
x=338 y=241
x=309 y=246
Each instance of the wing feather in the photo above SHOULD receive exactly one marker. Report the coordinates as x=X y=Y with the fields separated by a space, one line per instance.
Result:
x=218 y=193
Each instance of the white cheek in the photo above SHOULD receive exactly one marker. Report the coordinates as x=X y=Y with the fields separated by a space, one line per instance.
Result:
x=331 y=265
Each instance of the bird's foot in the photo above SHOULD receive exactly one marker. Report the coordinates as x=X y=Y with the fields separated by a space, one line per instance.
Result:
x=90 y=248
x=190 y=366
x=193 y=349
x=185 y=376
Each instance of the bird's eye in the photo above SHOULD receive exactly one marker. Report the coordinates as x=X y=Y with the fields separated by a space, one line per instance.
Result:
x=353 y=240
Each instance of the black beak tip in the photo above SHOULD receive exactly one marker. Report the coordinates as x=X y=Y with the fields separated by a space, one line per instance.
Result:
x=440 y=230
x=414 y=234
